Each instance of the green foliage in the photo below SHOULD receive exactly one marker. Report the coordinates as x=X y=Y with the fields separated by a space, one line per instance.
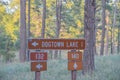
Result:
x=8 y=26
x=72 y=25
x=7 y=56
x=5 y=49
x=8 y=31
x=73 y=14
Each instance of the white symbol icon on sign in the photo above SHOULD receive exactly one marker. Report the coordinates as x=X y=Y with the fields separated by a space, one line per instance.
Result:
x=34 y=44
x=39 y=66
x=75 y=65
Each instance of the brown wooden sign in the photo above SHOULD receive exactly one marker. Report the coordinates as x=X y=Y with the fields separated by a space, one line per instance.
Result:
x=38 y=56
x=56 y=44
x=38 y=66
x=75 y=56
x=74 y=65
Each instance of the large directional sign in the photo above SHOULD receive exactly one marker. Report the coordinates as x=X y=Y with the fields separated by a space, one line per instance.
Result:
x=56 y=44
x=38 y=56
x=38 y=66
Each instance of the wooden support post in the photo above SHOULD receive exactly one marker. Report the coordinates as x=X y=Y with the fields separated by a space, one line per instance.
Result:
x=73 y=74
x=37 y=75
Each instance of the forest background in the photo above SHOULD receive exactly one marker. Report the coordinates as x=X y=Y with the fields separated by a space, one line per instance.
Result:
x=72 y=24
x=68 y=19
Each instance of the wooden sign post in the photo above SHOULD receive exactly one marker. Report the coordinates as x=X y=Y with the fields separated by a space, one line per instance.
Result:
x=39 y=63
x=37 y=75
x=73 y=74
x=74 y=63
x=74 y=58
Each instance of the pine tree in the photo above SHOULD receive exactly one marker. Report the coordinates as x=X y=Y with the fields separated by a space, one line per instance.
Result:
x=22 y=30
x=103 y=26
x=89 y=34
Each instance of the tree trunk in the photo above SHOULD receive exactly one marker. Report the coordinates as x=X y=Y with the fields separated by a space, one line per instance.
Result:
x=107 y=35
x=118 y=39
x=22 y=30
x=28 y=29
x=7 y=51
x=113 y=26
x=95 y=51
x=29 y=2
x=118 y=31
x=58 y=22
x=58 y=17
x=107 y=42
x=43 y=19
x=89 y=31
x=103 y=27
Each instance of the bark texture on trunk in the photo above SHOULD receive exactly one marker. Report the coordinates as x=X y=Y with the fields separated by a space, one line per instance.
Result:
x=107 y=33
x=22 y=30
x=58 y=17
x=43 y=19
x=58 y=22
x=89 y=31
x=113 y=28
x=118 y=39
x=29 y=3
x=103 y=27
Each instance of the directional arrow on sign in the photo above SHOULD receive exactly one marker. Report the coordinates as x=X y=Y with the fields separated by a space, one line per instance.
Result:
x=75 y=65
x=39 y=66
x=34 y=44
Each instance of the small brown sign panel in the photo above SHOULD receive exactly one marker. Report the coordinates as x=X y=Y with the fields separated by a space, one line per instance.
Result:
x=38 y=66
x=38 y=56
x=75 y=56
x=74 y=65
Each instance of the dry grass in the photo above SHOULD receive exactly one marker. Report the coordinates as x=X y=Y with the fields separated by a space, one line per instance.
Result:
x=107 y=68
